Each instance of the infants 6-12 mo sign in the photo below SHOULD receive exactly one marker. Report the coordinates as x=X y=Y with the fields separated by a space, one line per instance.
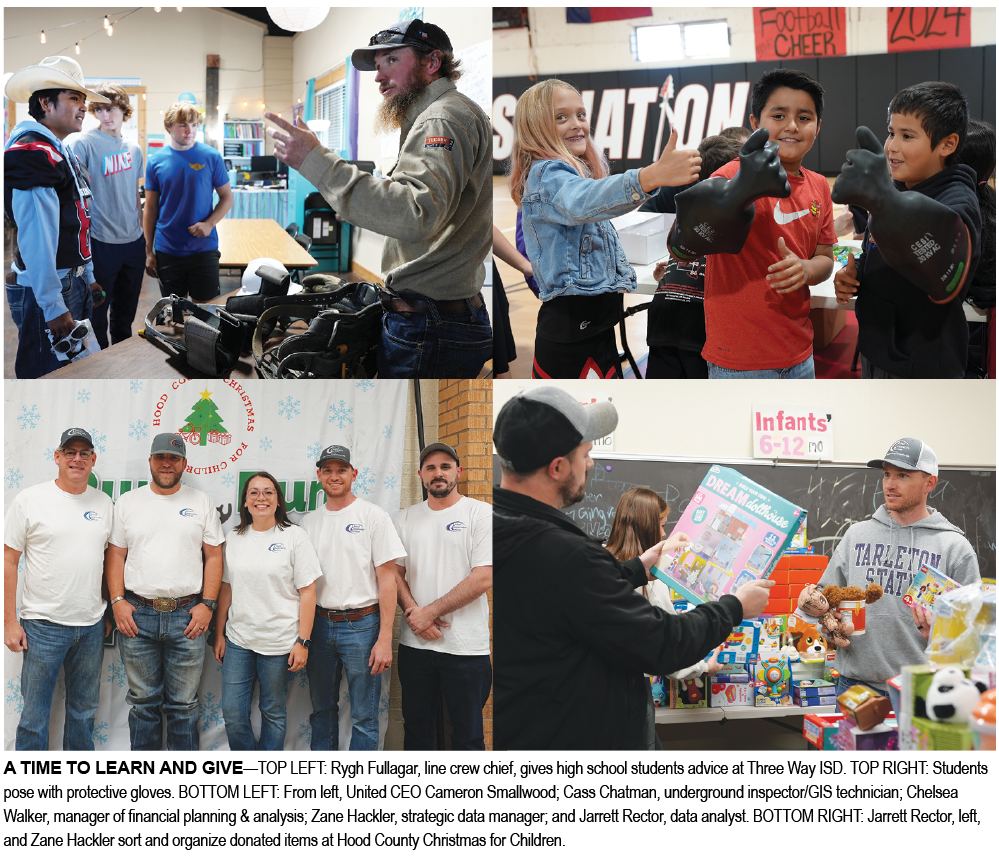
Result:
x=792 y=432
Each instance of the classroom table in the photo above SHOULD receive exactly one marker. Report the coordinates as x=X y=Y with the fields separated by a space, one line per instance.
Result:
x=244 y=239
x=779 y=728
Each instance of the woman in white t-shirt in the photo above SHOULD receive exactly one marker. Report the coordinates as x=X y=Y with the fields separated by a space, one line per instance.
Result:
x=266 y=609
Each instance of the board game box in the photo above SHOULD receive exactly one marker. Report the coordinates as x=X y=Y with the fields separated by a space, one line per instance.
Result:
x=738 y=529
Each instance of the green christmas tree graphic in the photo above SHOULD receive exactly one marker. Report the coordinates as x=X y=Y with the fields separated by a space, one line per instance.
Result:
x=204 y=425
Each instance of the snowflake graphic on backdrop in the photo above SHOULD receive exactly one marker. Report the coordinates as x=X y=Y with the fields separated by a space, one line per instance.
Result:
x=14 y=700
x=387 y=431
x=288 y=407
x=100 y=733
x=116 y=673
x=312 y=452
x=83 y=396
x=214 y=746
x=29 y=417
x=48 y=454
x=341 y=414
x=99 y=440
x=365 y=481
x=136 y=385
x=12 y=477
x=211 y=711
x=138 y=430
x=228 y=480
x=305 y=732
x=302 y=678
x=266 y=444
x=383 y=704
x=390 y=482
x=364 y=385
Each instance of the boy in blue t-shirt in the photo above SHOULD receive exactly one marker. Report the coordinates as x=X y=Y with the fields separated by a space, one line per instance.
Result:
x=179 y=221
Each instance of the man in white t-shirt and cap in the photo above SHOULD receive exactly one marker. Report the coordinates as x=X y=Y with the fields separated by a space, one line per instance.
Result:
x=164 y=574
x=357 y=547
x=442 y=585
x=61 y=527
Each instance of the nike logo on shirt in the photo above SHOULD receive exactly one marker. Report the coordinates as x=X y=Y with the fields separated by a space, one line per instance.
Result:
x=787 y=217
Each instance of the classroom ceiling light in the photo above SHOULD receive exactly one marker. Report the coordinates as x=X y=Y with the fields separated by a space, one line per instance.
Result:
x=77 y=47
x=43 y=37
x=107 y=23
x=298 y=18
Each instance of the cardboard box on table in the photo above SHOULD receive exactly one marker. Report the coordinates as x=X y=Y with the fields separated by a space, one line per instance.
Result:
x=820 y=730
x=731 y=694
x=739 y=530
x=791 y=574
x=689 y=693
x=644 y=235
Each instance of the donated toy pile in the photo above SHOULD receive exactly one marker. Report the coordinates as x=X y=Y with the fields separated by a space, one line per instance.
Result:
x=787 y=657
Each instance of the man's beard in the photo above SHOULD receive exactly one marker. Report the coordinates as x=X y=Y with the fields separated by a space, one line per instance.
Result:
x=570 y=492
x=167 y=483
x=392 y=111
x=440 y=491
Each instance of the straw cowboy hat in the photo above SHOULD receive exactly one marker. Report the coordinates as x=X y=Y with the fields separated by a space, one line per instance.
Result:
x=53 y=73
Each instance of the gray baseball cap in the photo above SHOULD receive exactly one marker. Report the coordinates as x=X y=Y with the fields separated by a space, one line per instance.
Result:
x=537 y=425
x=75 y=433
x=334 y=452
x=412 y=33
x=909 y=453
x=168 y=443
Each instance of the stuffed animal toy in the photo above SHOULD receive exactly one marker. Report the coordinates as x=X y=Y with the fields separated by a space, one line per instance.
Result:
x=811 y=645
x=951 y=697
x=817 y=607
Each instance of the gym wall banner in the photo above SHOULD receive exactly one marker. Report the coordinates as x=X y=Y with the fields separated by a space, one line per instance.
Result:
x=630 y=109
x=233 y=429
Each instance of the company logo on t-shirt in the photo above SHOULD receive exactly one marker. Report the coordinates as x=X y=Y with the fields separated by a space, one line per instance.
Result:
x=92 y=516
x=787 y=217
x=195 y=166
x=455 y=526
x=815 y=209
x=277 y=548
x=355 y=528
x=117 y=162
x=188 y=512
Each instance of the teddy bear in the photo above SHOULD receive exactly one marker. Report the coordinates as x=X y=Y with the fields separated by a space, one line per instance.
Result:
x=818 y=607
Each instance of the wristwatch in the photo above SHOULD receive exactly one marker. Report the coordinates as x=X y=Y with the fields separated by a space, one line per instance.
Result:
x=302 y=642
x=210 y=603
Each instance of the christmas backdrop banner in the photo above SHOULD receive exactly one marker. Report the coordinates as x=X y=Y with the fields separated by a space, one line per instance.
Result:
x=233 y=429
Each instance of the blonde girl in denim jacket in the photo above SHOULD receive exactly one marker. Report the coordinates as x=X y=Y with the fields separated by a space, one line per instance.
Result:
x=564 y=187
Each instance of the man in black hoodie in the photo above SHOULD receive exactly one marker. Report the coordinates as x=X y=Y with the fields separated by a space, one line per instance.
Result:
x=903 y=332
x=572 y=638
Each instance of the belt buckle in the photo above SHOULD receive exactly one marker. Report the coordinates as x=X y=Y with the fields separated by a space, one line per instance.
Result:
x=165 y=605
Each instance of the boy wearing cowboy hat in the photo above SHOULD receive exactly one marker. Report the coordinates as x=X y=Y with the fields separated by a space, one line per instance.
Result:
x=51 y=285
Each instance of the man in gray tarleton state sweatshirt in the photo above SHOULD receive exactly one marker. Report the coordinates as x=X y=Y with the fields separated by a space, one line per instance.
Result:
x=888 y=550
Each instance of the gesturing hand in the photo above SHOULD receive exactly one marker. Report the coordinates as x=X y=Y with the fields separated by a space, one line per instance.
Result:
x=846 y=282
x=292 y=144
x=674 y=167
x=788 y=273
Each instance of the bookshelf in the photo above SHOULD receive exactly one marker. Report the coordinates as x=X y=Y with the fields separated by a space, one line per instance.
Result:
x=242 y=139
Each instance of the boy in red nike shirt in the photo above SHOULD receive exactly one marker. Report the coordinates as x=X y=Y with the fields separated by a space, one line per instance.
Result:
x=756 y=302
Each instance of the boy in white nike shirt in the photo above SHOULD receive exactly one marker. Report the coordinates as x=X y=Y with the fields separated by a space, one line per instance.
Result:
x=756 y=302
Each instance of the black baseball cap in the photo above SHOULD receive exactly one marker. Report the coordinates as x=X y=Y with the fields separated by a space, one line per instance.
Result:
x=537 y=425
x=909 y=453
x=438 y=446
x=413 y=33
x=334 y=452
x=75 y=433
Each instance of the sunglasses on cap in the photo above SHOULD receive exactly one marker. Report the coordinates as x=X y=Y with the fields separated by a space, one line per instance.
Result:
x=388 y=37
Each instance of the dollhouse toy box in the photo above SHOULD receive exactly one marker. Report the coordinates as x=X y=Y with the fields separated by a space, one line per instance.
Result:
x=738 y=530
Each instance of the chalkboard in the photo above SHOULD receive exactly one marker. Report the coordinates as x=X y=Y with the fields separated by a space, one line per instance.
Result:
x=836 y=496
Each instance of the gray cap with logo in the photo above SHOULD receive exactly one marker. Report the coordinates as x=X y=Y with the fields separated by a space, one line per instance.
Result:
x=909 y=453
x=168 y=443
x=334 y=452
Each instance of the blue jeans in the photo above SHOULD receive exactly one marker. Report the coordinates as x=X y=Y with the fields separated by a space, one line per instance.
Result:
x=338 y=647
x=164 y=670
x=118 y=268
x=34 y=350
x=802 y=371
x=435 y=345
x=241 y=669
x=464 y=680
x=51 y=646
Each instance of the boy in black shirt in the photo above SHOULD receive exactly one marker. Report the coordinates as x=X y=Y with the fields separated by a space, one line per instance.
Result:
x=902 y=331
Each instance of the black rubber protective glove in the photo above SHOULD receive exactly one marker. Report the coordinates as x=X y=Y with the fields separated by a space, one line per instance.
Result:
x=920 y=238
x=715 y=216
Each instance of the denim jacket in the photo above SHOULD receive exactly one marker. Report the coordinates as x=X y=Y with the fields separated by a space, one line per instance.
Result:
x=574 y=249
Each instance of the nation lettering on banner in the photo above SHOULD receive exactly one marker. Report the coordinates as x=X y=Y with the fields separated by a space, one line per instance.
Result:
x=784 y=32
x=928 y=28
